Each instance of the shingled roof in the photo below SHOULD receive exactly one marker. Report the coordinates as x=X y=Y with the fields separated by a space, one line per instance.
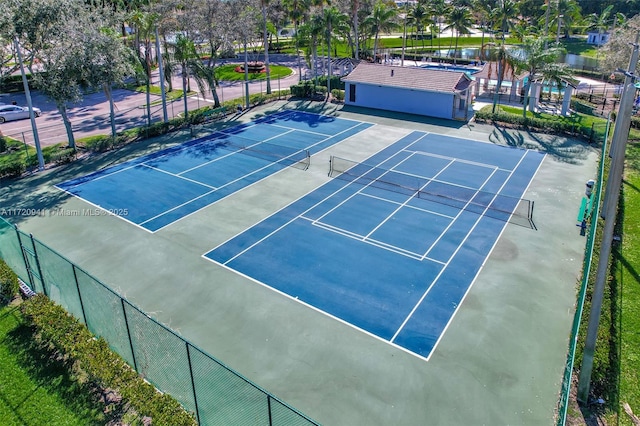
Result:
x=409 y=78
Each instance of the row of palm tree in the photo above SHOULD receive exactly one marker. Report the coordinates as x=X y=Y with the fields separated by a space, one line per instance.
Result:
x=358 y=23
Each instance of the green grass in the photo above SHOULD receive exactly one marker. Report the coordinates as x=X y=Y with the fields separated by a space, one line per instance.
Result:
x=16 y=151
x=155 y=90
x=228 y=73
x=628 y=280
x=579 y=46
x=35 y=389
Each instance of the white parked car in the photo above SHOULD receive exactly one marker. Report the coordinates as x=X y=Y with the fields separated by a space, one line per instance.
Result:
x=15 y=112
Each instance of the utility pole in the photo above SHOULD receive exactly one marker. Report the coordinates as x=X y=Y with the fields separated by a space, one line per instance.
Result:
x=161 y=71
x=27 y=93
x=610 y=207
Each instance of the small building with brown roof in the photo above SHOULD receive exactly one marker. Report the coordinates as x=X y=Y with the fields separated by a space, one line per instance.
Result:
x=433 y=93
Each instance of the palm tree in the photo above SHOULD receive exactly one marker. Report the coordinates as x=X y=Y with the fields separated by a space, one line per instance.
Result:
x=504 y=16
x=186 y=56
x=505 y=62
x=332 y=19
x=144 y=23
x=534 y=58
x=438 y=9
x=263 y=5
x=381 y=20
x=482 y=10
x=459 y=20
x=297 y=11
x=570 y=12
x=355 y=7
x=417 y=17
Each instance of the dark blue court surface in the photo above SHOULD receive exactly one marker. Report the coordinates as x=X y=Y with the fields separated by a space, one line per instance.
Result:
x=391 y=245
x=155 y=190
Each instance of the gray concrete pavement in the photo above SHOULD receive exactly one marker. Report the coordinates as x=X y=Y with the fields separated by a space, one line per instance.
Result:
x=91 y=115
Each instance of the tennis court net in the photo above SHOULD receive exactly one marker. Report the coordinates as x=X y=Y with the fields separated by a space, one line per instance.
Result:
x=298 y=158
x=503 y=207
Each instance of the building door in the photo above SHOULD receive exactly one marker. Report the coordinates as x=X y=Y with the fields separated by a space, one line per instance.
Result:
x=352 y=93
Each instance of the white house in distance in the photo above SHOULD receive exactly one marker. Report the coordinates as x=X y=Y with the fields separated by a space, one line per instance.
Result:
x=597 y=38
x=432 y=93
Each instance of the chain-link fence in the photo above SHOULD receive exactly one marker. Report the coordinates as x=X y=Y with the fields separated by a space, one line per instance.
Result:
x=563 y=402
x=215 y=393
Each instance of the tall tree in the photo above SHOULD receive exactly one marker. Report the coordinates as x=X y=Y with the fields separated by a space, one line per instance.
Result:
x=187 y=58
x=459 y=20
x=439 y=9
x=263 y=7
x=332 y=19
x=298 y=10
x=108 y=61
x=382 y=20
x=534 y=58
x=417 y=18
x=144 y=23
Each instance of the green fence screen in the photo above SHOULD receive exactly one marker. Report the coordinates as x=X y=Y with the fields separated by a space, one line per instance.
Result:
x=215 y=393
x=563 y=402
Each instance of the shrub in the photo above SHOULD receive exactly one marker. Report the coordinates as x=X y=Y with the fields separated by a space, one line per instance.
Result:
x=338 y=94
x=98 y=143
x=63 y=156
x=9 y=285
x=582 y=106
x=12 y=169
x=3 y=144
x=92 y=357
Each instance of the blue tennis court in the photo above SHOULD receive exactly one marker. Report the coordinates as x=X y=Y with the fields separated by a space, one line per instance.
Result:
x=156 y=190
x=391 y=245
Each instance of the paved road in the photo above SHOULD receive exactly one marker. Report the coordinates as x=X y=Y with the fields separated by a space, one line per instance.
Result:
x=91 y=115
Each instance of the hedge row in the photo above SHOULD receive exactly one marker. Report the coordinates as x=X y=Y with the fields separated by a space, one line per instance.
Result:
x=93 y=358
x=552 y=126
x=9 y=285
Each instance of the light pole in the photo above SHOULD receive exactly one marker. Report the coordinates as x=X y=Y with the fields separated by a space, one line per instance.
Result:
x=610 y=206
x=27 y=92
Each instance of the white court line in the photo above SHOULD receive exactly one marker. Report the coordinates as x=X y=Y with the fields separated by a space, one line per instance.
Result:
x=411 y=197
x=178 y=176
x=426 y=253
x=300 y=130
x=445 y=157
x=237 y=151
x=101 y=177
x=102 y=208
x=370 y=241
x=178 y=206
x=196 y=211
x=481 y=267
x=415 y=308
x=420 y=209
x=370 y=334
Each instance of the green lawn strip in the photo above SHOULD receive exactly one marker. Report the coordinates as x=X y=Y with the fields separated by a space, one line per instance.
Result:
x=17 y=151
x=228 y=73
x=628 y=275
x=35 y=388
x=579 y=46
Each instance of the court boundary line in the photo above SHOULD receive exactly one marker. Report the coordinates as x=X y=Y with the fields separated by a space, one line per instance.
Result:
x=465 y=209
x=495 y=243
x=256 y=182
x=318 y=310
x=194 y=143
x=237 y=151
x=107 y=211
x=372 y=241
x=437 y=277
x=179 y=177
x=224 y=265
x=409 y=206
x=461 y=160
